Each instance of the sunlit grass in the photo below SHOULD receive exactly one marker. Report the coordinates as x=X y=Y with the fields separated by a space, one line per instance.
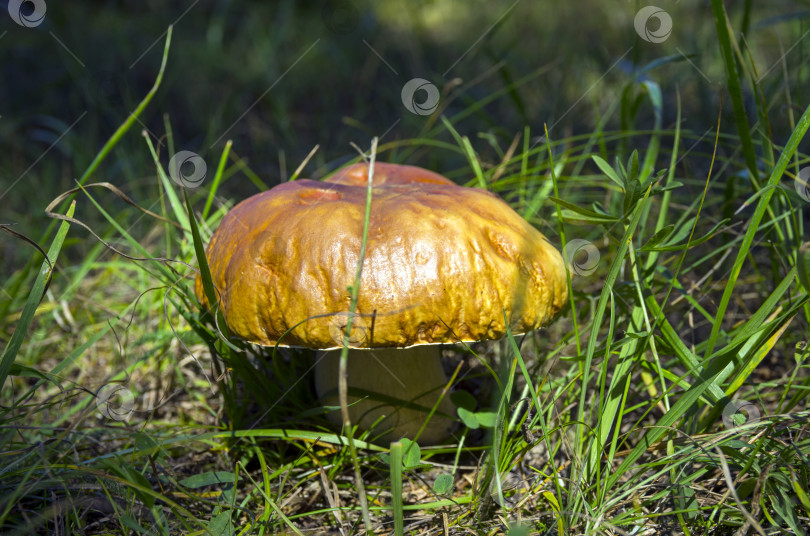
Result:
x=671 y=394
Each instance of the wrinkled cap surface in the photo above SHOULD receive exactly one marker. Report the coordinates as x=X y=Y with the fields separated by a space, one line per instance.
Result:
x=442 y=263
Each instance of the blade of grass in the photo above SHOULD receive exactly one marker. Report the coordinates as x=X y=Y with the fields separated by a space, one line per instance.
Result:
x=205 y=270
x=684 y=355
x=610 y=413
x=753 y=359
x=753 y=226
x=652 y=257
x=690 y=398
x=167 y=274
x=561 y=230
x=593 y=337
x=651 y=154
x=168 y=187
x=396 y=487
x=744 y=361
x=735 y=89
x=119 y=133
x=212 y=192
x=34 y=298
x=468 y=151
x=269 y=500
x=80 y=350
x=344 y=353
x=498 y=462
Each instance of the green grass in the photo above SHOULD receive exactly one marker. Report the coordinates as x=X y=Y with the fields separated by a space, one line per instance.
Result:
x=670 y=394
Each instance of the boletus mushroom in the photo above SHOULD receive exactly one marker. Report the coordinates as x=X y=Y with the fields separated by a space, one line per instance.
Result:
x=442 y=265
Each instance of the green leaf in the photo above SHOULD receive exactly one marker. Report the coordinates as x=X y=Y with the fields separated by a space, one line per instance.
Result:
x=463 y=399
x=632 y=168
x=573 y=217
x=589 y=214
x=607 y=170
x=443 y=484
x=672 y=244
x=797 y=487
x=145 y=442
x=659 y=237
x=411 y=453
x=784 y=508
x=632 y=194
x=209 y=478
x=221 y=524
x=619 y=167
x=486 y=418
x=661 y=189
x=468 y=418
x=25 y=371
x=147 y=445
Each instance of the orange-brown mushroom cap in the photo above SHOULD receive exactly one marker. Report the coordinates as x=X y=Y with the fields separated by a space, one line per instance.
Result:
x=442 y=263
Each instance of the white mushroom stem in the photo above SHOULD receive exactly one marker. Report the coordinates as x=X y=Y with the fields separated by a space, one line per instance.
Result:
x=410 y=375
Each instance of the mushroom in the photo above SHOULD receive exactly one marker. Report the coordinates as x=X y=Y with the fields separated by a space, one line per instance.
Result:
x=443 y=264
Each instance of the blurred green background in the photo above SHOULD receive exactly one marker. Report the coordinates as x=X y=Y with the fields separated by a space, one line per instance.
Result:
x=280 y=77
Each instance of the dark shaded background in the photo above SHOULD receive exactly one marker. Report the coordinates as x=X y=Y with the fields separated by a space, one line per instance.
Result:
x=280 y=77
